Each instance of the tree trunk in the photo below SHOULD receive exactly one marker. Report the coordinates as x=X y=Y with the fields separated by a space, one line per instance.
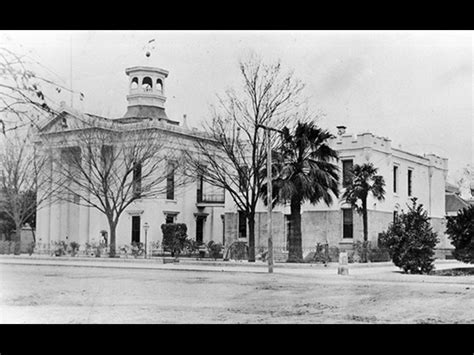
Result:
x=112 y=227
x=295 y=250
x=251 y=223
x=364 y=219
x=17 y=238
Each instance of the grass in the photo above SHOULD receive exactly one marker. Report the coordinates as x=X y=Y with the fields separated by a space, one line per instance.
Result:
x=460 y=271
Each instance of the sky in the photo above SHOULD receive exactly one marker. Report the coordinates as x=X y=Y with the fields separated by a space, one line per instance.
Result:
x=414 y=87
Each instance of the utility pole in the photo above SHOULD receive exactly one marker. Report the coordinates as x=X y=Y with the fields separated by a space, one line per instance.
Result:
x=269 y=193
x=269 y=202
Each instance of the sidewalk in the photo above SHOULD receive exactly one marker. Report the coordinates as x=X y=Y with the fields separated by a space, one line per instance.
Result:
x=186 y=264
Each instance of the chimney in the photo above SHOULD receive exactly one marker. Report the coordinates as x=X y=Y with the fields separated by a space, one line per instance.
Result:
x=185 y=122
x=341 y=130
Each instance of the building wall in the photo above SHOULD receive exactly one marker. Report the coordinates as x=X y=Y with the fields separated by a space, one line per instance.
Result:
x=321 y=223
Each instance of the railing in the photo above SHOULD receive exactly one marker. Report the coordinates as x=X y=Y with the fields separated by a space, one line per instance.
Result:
x=210 y=197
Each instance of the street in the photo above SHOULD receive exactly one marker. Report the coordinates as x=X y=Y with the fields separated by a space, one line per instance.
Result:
x=76 y=294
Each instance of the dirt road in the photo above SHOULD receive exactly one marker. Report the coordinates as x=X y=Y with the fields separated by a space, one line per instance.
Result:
x=62 y=294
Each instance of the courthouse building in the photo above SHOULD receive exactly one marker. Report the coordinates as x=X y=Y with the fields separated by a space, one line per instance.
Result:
x=211 y=214
x=198 y=205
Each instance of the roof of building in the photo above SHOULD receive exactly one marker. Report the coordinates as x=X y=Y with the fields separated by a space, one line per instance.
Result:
x=454 y=203
x=451 y=188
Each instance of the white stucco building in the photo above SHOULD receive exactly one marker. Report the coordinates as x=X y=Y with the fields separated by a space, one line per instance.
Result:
x=197 y=204
x=406 y=175
x=211 y=214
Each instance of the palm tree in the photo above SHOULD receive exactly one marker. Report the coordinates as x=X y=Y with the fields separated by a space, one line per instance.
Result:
x=364 y=180
x=303 y=172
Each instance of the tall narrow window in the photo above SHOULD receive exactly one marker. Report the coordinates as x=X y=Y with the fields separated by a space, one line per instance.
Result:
x=136 y=229
x=346 y=172
x=137 y=180
x=347 y=216
x=243 y=178
x=410 y=176
x=242 y=225
x=199 y=188
x=170 y=181
x=395 y=178
x=199 y=229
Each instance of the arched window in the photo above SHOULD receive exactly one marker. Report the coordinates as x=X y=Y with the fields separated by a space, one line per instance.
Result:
x=134 y=83
x=159 y=85
x=147 y=84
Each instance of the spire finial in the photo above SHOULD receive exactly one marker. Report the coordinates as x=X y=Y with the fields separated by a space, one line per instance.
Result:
x=149 y=47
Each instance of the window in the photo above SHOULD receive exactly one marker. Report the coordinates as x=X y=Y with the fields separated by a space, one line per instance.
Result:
x=136 y=229
x=199 y=188
x=242 y=225
x=410 y=175
x=159 y=85
x=395 y=177
x=170 y=181
x=347 y=172
x=395 y=216
x=199 y=229
x=243 y=177
x=169 y=218
x=134 y=84
x=137 y=180
x=147 y=84
x=347 y=216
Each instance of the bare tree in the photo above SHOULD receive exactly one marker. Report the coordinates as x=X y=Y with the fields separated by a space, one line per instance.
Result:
x=235 y=153
x=26 y=96
x=108 y=167
x=23 y=184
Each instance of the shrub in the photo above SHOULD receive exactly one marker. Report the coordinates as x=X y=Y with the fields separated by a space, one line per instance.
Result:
x=74 y=248
x=59 y=248
x=137 y=249
x=411 y=241
x=192 y=247
x=125 y=249
x=237 y=251
x=214 y=249
x=460 y=229
x=88 y=249
x=321 y=255
x=13 y=247
x=4 y=247
x=93 y=249
x=174 y=237
x=31 y=248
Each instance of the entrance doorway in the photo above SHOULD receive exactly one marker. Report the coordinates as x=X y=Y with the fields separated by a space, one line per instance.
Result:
x=136 y=229
x=199 y=229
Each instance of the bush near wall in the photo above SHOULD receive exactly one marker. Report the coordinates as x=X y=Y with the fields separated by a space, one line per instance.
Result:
x=237 y=251
x=411 y=241
x=174 y=237
x=7 y=247
x=460 y=229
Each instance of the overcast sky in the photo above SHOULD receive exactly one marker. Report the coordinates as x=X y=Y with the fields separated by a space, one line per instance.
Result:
x=415 y=87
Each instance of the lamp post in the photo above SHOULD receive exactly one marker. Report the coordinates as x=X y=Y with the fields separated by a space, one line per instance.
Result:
x=145 y=227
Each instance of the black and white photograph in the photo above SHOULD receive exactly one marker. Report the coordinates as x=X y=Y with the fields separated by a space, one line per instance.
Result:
x=236 y=177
